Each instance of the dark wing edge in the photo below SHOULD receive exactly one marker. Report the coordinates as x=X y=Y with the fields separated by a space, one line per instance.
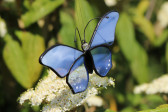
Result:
x=41 y=56
x=93 y=35
x=67 y=78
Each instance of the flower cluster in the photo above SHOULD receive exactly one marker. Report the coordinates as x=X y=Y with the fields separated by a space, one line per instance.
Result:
x=156 y=86
x=57 y=95
x=95 y=101
x=3 y=29
x=110 y=3
x=163 y=15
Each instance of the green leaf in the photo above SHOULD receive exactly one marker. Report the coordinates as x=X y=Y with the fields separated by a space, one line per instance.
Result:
x=22 y=61
x=132 y=50
x=154 y=100
x=14 y=59
x=32 y=47
x=142 y=7
x=141 y=21
x=39 y=9
x=108 y=110
x=161 y=39
x=148 y=30
x=145 y=25
x=161 y=108
x=27 y=4
x=128 y=109
x=67 y=31
x=84 y=13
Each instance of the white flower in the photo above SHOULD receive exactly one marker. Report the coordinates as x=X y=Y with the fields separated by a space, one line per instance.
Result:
x=57 y=95
x=163 y=15
x=95 y=101
x=159 y=85
x=41 y=23
x=110 y=3
x=3 y=29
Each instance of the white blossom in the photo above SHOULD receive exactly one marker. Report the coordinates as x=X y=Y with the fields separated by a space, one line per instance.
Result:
x=95 y=101
x=57 y=95
x=110 y=3
x=159 y=85
x=162 y=15
x=3 y=29
x=41 y=23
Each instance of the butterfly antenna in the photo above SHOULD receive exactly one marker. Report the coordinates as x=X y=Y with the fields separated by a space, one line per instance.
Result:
x=88 y=24
x=75 y=36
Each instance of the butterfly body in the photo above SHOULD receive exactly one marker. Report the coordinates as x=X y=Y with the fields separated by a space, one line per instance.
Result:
x=95 y=56
x=88 y=61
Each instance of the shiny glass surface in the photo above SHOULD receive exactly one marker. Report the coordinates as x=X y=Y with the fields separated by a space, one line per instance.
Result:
x=102 y=60
x=79 y=76
x=106 y=30
x=60 y=58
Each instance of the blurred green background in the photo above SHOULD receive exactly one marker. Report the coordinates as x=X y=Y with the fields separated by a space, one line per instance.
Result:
x=140 y=50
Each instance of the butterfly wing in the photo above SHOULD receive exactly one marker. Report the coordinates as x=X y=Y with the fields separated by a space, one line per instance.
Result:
x=78 y=76
x=105 y=30
x=60 y=58
x=102 y=60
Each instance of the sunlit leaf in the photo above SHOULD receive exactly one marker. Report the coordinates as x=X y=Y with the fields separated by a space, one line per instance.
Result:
x=84 y=13
x=32 y=47
x=15 y=61
x=22 y=60
x=27 y=4
x=132 y=50
x=145 y=26
x=142 y=7
x=39 y=9
x=67 y=31
x=161 y=108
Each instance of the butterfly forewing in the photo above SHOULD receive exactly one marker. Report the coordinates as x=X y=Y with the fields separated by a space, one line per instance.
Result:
x=105 y=30
x=60 y=59
x=102 y=60
x=78 y=77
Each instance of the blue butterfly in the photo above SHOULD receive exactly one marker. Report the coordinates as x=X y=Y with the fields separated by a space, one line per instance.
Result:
x=95 y=55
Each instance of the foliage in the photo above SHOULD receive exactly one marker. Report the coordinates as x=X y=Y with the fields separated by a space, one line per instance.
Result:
x=126 y=39
x=22 y=60
x=140 y=50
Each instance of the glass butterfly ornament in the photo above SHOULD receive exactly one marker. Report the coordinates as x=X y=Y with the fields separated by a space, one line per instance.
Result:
x=95 y=55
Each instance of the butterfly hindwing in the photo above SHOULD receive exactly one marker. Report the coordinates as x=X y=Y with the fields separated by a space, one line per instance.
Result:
x=60 y=58
x=78 y=76
x=105 y=30
x=102 y=60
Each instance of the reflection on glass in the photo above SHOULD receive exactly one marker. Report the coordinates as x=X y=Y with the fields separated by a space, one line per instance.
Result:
x=78 y=77
x=60 y=58
x=102 y=60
